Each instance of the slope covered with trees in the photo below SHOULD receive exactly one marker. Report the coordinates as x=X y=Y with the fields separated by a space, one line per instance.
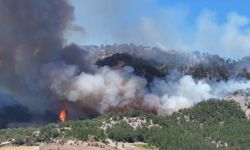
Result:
x=208 y=125
x=156 y=62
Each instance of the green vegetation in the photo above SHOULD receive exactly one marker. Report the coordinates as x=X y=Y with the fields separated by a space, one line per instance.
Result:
x=208 y=125
x=82 y=129
x=145 y=146
x=125 y=133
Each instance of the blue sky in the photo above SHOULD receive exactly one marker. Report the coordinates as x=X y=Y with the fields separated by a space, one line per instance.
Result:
x=222 y=7
x=214 y=26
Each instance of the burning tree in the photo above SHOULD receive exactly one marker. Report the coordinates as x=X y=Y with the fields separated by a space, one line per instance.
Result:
x=63 y=115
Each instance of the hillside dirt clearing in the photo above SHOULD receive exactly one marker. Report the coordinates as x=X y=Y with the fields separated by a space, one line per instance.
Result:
x=78 y=146
x=21 y=148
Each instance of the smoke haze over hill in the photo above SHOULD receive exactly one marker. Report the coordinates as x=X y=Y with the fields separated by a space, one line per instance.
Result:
x=43 y=73
x=170 y=26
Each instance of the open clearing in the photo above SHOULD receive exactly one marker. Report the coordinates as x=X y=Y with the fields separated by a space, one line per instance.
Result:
x=21 y=148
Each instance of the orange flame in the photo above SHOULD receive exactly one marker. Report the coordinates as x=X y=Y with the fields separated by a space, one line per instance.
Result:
x=63 y=115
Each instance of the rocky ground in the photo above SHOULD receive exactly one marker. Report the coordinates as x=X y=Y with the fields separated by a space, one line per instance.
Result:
x=78 y=145
x=242 y=97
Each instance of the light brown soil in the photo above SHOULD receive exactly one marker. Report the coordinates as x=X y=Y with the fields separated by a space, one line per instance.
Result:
x=21 y=148
x=83 y=146
x=77 y=146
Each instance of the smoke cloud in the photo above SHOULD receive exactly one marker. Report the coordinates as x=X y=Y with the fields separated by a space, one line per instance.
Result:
x=108 y=89
x=32 y=33
x=100 y=91
x=41 y=72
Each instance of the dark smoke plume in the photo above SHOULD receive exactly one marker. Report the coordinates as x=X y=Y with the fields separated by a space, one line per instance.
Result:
x=38 y=71
x=32 y=34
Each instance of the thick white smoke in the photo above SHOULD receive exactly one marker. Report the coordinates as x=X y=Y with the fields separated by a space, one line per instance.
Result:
x=100 y=91
x=108 y=89
x=183 y=93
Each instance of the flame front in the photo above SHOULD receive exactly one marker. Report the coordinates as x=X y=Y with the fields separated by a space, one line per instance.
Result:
x=63 y=115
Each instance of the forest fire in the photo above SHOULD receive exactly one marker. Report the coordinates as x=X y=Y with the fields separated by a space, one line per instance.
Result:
x=63 y=115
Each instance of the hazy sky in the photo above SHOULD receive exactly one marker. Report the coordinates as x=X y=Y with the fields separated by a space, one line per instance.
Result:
x=214 y=26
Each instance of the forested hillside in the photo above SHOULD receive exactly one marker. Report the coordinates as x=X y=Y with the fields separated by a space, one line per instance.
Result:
x=208 y=125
